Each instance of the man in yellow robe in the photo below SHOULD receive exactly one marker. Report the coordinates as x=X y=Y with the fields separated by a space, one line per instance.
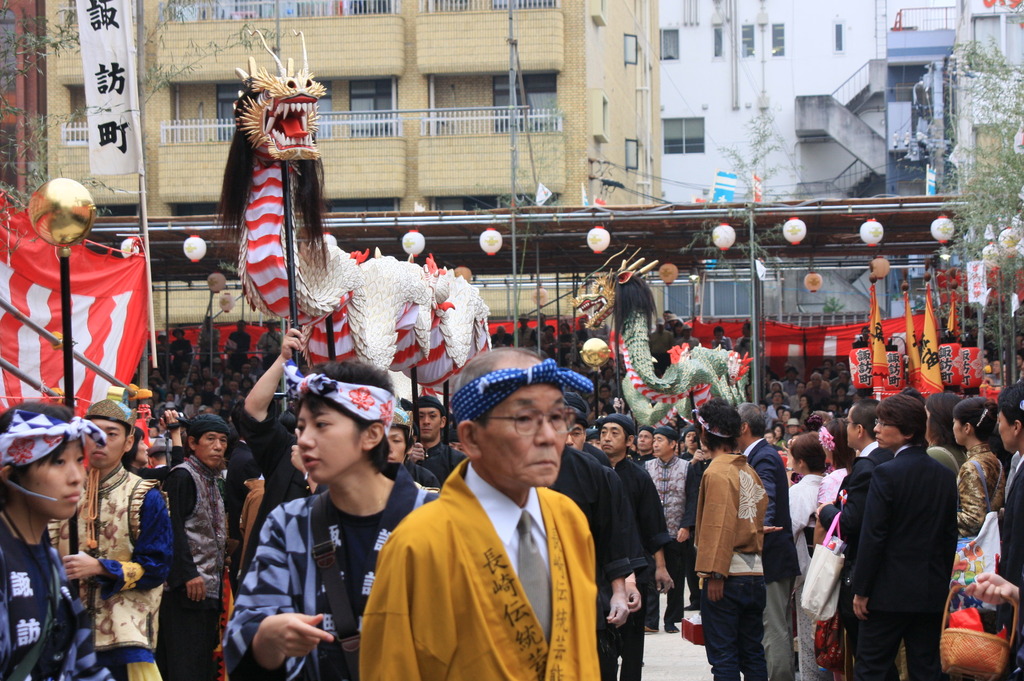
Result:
x=495 y=579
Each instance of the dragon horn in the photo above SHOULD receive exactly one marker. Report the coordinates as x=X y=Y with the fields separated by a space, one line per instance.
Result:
x=636 y=264
x=291 y=67
x=648 y=267
x=242 y=74
x=609 y=260
x=305 y=59
x=267 y=48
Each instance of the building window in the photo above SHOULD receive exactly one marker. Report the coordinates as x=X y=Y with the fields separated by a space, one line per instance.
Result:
x=839 y=38
x=370 y=95
x=683 y=135
x=632 y=155
x=747 y=40
x=629 y=47
x=778 y=40
x=363 y=205
x=541 y=90
x=469 y=203
x=669 y=44
x=719 y=42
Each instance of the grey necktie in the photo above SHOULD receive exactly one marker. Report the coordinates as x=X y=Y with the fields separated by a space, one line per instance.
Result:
x=533 y=574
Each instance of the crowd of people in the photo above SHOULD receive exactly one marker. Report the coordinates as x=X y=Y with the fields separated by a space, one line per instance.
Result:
x=525 y=530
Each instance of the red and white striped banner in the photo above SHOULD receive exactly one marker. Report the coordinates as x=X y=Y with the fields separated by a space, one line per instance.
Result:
x=108 y=313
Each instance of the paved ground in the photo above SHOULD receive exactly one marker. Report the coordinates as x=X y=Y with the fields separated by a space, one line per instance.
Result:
x=671 y=657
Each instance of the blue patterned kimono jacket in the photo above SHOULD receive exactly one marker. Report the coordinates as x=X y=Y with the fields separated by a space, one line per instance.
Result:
x=79 y=662
x=283 y=577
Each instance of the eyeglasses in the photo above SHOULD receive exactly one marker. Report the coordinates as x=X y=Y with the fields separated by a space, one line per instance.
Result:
x=880 y=422
x=528 y=422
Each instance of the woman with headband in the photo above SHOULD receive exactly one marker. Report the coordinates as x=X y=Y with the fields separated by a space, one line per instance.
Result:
x=44 y=632
x=308 y=583
x=981 y=480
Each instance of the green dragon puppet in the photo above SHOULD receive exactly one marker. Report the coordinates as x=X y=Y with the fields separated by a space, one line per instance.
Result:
x=694 y=375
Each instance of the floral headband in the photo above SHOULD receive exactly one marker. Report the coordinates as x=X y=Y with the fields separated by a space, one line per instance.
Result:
x=365 y=401
x=32 y=436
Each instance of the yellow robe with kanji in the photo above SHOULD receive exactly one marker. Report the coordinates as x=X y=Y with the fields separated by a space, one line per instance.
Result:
x=446 y=603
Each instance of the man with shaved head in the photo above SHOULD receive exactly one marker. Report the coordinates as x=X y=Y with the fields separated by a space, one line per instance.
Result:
x=495 y=579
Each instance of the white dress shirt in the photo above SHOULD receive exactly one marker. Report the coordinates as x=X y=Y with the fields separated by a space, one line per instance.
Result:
x=870 y=448
x=505 y=513
x=750 y=448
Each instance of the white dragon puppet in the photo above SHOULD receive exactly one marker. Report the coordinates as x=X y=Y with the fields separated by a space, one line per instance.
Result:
x=393 y=314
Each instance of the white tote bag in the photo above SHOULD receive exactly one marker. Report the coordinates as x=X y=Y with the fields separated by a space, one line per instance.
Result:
x=821 y=583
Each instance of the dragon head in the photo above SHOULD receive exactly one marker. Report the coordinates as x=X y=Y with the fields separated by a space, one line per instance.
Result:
x=597 y=302
x=278 y=114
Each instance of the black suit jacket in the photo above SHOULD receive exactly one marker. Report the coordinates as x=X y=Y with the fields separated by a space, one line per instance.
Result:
x=855 y=486
x=908 y=539
x=779 y=554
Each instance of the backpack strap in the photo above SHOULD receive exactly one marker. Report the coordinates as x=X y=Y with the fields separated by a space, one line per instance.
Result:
x=325 y=556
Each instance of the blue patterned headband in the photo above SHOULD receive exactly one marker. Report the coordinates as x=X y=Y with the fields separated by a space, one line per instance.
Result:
x=366 y=401
x=482 y=394
x=32 y=436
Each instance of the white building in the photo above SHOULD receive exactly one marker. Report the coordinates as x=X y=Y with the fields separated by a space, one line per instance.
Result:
x=818 y=73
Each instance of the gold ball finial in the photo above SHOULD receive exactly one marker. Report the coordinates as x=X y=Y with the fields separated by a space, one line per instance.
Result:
x=62 y=212
x=595 y=353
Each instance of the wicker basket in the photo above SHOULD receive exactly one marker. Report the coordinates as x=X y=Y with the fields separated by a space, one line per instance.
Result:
x=974 y=654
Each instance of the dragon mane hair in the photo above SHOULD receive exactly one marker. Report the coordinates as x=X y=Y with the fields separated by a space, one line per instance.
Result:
x=307 y=191
x=634 y=296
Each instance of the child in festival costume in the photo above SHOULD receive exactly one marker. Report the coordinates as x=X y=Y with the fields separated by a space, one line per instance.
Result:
x=44 y=631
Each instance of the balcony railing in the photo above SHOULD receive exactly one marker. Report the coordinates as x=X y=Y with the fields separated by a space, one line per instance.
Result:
x=197 y=130
x=245 y=10
x=431 y=6
x=74 y=134
x=488 y=121
x=346 y=124
x=366 y=124
x=925 y=19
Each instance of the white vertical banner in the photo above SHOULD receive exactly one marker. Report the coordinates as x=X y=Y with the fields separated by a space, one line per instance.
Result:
x=976 y=283
x=107 y=36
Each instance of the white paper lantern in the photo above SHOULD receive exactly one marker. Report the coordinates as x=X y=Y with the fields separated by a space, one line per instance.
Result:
x=540 y=296
x=216 y=282
x=131 y=246
x=1009 y=238
x=413 y=243
x=990 y=252
x=226 y=301
x=794 y=230
x=598 y=239
x=490 y=241
x=723 y=236
x=871 y=232
x=943 y=229
x=331 y=240
x=195 y=248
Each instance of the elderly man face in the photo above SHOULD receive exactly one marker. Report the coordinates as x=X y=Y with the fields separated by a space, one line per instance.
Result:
x=518 y=444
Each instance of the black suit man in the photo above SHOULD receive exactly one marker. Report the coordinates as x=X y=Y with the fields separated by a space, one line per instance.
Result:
x=901 y=577
x=852 y=500
x=779 y=554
